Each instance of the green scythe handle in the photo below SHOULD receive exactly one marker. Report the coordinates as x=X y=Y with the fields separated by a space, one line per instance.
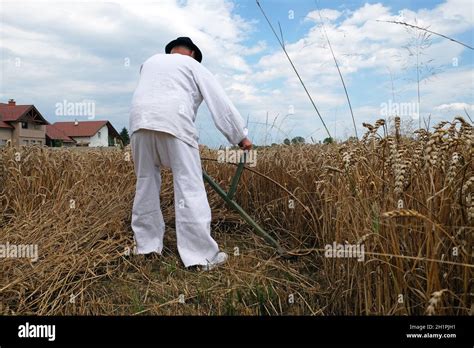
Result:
x=228 y=198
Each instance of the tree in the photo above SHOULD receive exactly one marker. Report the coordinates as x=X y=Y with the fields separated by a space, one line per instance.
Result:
x=286 y=141
x=125 y=136
x=328 y=140
x=298 y=140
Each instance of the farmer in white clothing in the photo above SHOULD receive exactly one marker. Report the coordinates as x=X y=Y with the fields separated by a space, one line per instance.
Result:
x=170 y=89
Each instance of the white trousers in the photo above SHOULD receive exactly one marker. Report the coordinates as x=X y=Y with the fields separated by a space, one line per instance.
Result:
x=152 y=150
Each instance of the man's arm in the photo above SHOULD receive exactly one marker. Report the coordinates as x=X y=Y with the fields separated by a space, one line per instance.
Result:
x=226 y=117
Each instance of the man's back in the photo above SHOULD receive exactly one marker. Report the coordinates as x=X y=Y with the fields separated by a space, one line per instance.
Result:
x=167 y=96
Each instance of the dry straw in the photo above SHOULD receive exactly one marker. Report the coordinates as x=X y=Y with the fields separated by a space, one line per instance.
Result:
x=75 y=204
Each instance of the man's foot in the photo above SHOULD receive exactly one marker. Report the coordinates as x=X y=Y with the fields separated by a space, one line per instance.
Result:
x=219 y=259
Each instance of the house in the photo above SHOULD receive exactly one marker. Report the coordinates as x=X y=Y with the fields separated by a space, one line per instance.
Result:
x=24 y=125
x=21 y=124
x=57 y=138
x=89 y=133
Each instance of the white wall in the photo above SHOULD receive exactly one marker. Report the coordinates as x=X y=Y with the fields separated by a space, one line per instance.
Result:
x=95 y=140
x=5 y=134
x=102 y=140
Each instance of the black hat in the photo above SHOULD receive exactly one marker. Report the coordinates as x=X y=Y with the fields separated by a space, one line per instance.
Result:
x=185 y=41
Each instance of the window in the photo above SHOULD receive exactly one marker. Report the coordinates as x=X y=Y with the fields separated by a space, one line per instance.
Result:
x=36 y=126
x=25 y=142
x=3 y=142
x=24 y=125
x=98 y=134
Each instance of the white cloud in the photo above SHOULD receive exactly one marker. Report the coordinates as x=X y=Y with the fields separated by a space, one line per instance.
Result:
x=77 y=50
x=455 y=107
x=367 y=13
x=326 y=14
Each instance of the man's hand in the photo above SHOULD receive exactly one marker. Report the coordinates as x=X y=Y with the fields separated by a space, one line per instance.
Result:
x=245 y=144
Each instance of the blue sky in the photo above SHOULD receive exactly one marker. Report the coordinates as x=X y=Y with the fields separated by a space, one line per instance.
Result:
x=53 y=52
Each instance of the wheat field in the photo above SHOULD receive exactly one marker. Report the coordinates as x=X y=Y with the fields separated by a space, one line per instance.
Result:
x=408 y=201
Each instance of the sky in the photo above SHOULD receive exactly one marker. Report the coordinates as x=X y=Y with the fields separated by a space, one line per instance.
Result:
x=63 y=53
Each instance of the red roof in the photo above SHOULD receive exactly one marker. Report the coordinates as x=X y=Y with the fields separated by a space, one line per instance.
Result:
x=82 y=129
x=57 y=134
x=5 y=125
x=12 y=112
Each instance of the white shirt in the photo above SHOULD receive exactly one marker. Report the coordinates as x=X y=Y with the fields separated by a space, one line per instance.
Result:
x=170 y=89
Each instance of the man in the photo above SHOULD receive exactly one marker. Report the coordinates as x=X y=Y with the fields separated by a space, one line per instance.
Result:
x=170 y=89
